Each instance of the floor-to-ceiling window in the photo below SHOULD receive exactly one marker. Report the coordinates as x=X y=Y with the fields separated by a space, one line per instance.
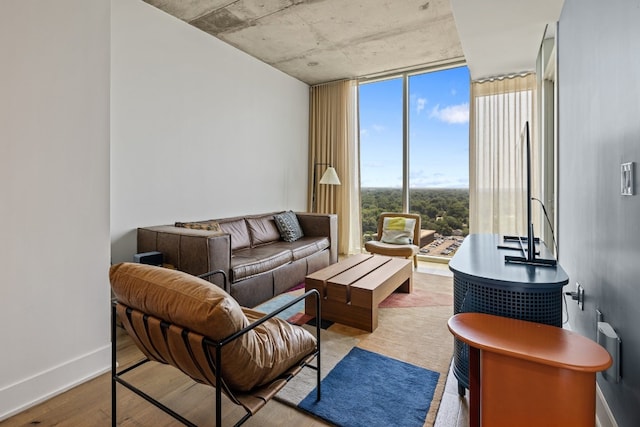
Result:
x=381 y=107
x=414 y=156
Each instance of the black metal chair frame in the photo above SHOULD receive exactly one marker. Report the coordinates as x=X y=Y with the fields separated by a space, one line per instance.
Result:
x=215 y=366
x=225 y=281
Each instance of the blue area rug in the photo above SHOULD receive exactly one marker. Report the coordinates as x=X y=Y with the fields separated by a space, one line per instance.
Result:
x=367 y=389
x=294 y=314
x=279 y=301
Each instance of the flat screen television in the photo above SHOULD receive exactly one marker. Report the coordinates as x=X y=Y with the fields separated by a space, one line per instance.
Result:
x=527 y=244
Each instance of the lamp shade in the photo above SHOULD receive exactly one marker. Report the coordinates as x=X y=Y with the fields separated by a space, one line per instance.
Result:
x=330 y=177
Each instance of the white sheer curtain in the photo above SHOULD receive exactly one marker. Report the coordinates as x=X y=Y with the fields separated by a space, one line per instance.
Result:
x=332 y=140
x=497 y=176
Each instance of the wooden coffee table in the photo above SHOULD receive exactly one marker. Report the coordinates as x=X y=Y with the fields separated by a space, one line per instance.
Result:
x=352 y=288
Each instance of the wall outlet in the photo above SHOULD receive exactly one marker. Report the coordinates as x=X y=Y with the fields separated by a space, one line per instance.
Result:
x=580 y=292
x=626 y=179
x=599 y=318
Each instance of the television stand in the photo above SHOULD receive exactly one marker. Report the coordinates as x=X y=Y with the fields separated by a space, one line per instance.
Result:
x=526 y=258
x=542 y=262
x=484 y=283
x=519 y=239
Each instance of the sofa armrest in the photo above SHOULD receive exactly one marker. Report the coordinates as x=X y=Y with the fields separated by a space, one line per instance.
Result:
x=192 y=251
x=321 y=225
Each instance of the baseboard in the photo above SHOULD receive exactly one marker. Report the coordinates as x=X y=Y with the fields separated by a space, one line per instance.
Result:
x=604 y=416
x=31 y=391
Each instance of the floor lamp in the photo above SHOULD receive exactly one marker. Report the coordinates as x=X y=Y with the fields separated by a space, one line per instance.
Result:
x=329 y=177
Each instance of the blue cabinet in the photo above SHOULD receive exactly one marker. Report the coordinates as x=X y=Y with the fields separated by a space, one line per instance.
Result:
x=484 y=283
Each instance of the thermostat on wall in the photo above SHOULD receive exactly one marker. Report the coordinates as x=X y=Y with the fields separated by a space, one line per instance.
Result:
x=626 y=179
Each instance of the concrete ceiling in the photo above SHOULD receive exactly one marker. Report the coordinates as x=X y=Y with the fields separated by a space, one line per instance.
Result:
x=317 y=41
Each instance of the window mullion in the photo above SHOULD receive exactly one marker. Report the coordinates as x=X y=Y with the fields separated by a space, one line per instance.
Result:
x=405 y=143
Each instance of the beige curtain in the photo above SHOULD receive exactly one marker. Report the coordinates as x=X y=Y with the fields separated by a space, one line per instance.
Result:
x=497 y=177
x=332 y=141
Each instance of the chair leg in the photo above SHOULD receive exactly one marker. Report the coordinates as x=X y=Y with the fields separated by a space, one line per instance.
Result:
x=415 y=261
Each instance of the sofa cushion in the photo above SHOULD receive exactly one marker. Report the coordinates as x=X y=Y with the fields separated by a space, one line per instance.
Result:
x=239 y=233
x=250 y=262
x=309 y=247
x=288 y=226
x=263 y=230
x=256 y=358
x=304 y=246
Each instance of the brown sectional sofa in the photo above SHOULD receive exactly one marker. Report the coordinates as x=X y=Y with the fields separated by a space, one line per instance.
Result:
x=249 y=249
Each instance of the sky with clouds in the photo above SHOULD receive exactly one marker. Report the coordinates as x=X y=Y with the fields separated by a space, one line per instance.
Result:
x=438 y=131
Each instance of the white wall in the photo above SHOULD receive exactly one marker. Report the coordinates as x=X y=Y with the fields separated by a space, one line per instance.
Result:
x=54 y=197
x=199 y=129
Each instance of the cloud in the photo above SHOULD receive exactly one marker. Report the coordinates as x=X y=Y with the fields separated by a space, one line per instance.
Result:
x=453 y=114
x=420 y=103
x=367 y=132
x=422 y=179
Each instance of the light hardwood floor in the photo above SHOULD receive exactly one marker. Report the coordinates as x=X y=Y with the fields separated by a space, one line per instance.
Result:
x=453 y=411
x=90 y=403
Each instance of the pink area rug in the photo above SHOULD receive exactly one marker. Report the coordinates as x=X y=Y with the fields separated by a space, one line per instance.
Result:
x=429 y=290
x=296 y=287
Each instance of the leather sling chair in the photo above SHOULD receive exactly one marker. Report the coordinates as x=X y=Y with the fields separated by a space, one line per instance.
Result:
x=398 y=235
x=184 y=321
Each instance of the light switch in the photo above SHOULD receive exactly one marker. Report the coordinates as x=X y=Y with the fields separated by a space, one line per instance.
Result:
x=626 y=179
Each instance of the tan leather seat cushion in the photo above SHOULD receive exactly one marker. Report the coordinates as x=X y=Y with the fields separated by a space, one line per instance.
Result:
x=391 y=249
x=195 y=304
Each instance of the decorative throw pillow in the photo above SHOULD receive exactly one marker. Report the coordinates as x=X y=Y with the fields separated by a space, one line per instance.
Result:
x=398 y=230
x=288 y=225
x=202 y=225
